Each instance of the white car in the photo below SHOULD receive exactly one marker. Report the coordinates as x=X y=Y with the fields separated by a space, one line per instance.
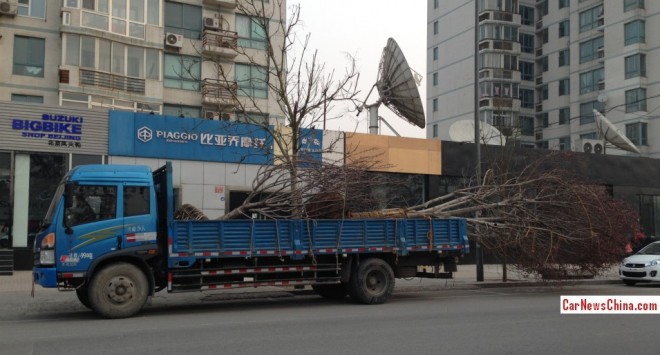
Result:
x=643 y=266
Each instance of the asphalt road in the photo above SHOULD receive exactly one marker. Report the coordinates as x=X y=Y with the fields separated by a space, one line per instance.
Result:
x=521 y=320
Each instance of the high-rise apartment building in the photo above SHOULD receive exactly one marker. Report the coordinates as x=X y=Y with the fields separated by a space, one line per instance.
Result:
x=543 y=66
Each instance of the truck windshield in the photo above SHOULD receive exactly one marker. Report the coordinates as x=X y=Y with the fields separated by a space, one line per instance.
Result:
x=53 y=204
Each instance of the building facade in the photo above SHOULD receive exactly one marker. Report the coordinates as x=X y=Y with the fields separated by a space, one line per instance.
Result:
x=543 y=66
x=68 y=63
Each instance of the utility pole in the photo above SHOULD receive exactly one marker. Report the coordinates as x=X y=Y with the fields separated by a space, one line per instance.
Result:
x=479 y=260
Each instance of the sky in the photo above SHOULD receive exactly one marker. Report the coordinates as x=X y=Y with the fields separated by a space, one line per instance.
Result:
x=362 y=28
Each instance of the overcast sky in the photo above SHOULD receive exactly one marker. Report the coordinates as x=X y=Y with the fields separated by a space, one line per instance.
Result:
x=362 y=27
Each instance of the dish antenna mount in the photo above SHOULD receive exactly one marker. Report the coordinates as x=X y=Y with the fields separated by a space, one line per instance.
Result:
x=613 y=135
x=397 y=88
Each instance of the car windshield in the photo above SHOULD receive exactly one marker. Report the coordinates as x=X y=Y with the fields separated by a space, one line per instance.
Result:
x=651 y=249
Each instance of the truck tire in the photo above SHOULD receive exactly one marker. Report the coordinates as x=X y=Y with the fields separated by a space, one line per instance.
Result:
x=372 y=282
x=331 y=291
x=118 y=290
x=83 y=296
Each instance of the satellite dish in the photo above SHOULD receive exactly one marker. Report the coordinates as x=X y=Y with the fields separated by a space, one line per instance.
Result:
x=613 y=135
x=463 y=131
x=397 y=87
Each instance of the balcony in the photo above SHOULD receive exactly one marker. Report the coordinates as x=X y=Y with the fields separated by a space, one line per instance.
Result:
x=109 y=81
x=222 y=44
x=222 y=4
x=219 y=93
x=500 y=45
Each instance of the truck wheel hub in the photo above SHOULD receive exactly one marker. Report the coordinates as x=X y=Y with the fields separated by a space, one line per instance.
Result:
x=120 y=289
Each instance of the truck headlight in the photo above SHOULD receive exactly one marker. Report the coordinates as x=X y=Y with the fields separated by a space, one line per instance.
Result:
x=47 y=257
x=47 y=251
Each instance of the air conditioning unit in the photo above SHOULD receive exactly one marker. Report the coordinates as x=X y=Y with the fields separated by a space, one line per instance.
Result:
x=8 y=8
x=217 y=116
x=174 y=40
x=592 y=146
x=212 y=23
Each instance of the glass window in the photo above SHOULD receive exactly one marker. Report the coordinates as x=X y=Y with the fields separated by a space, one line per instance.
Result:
x=117 y=58
x=544 y=64
x=181 y=72
x=527 y=125
x=592 y=81
x=135 y=61
x=32 y=8
x=564 y=28
x=88 y=52
x=435 y=79
x=564 y=3
x=27 y=98
x=72 y=49
x=564 y=57
x=526 y=70
x=634 y=32
x=564 y=115
x=136 y=200
x=183 y=19
x=252 y=81
x=435 y=105
x=85 y=159
x=542 y=120
x=635 y=65
x=71 y=3
x=637 y=133
x=587 y=112
x=526 y=43
x=632 y=4
x=636 y=100
x=435 y=53
x=565 y=143
x=251 y=31
x=564 y=87
x=435 y=28
x=527 y=15
x=256 y=118
x=29 y=53
x=543 y=8
x=153 y=15
x=104 y=54
x=544 y=92
x=153 y=64
x=590 y=135
x=526 y=98
x=180 y=110
x=591 y=18
x=544 y=35
x=92 y=203
x=591 y=50
x=435 y=131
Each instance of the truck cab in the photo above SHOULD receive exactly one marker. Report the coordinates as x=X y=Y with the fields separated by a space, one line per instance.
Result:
x=100 y=214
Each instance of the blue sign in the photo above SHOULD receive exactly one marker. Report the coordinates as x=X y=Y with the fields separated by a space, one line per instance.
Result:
x=155 y=136
x=59 y=130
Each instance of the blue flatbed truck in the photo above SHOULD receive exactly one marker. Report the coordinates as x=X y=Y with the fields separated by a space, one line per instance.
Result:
x=110 y=235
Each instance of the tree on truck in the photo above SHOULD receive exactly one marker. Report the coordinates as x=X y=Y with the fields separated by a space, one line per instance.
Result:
x=131 y=247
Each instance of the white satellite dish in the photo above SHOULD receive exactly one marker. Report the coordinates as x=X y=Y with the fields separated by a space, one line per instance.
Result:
x=397 y=87
x=463 y=131
x=613 y=135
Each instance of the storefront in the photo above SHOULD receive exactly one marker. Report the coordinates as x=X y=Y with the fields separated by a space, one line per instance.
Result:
x=38 y=145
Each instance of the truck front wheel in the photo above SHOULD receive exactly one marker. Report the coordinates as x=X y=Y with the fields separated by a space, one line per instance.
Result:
x=372 y=282
x=118 y=290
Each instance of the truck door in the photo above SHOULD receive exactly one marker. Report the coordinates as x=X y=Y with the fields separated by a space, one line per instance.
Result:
x=94 y=226
x=139 y=211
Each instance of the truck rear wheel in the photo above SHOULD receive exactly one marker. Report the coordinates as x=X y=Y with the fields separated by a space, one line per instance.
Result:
x=331 y=291
x=372 y=282
x=118 y=290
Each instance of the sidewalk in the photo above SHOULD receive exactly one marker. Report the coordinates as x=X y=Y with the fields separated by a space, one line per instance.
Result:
x=465 y=277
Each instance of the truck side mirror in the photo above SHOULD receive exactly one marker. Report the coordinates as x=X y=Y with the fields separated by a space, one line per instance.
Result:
x=68 y=196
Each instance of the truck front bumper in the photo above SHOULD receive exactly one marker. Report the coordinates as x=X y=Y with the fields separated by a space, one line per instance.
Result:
x=45 y=276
